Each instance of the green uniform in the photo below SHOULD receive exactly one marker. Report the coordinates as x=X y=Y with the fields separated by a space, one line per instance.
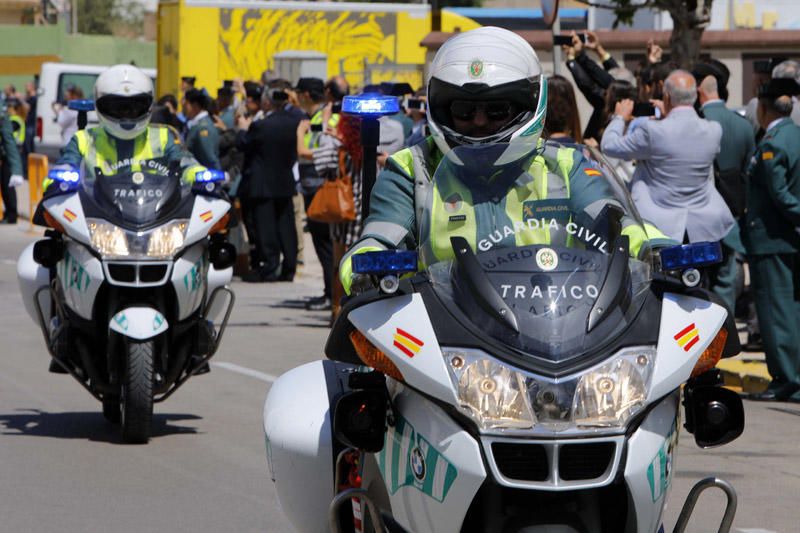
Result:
x=771 y=235
x=398 y=217
x=9 y=155
x=202 y=141
x=736 y=148
x=153 y=150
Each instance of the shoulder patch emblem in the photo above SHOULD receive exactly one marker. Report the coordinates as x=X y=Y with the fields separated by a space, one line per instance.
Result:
x=766 y=156
x=592 y=172
x=203 y=133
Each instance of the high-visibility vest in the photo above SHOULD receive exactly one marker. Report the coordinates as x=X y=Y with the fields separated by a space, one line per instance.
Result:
x=18 y=127
x=99 y=149
x=311 y=138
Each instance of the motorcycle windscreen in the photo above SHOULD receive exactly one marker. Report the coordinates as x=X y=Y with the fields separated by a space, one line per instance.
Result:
x=137 y=198
x=567 y=258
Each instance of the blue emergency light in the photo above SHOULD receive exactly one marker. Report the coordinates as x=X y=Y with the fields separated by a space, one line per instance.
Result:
x=370 y=105
x=81 y=105
x=64 y=175
x=691 y=255
x=209 y=176
x=385 y=262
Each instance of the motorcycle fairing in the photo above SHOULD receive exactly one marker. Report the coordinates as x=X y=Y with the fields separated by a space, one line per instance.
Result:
x=688 y=325
x=68 y=211
x=400 y=327
x=458 y=461
x=140 y=323
x=80 y=275
x=649 y=464
x=206 y=212
x=189 y=277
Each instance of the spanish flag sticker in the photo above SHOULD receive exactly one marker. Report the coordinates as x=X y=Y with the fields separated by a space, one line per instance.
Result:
x=205 y=217
x=69 y=215
x=407 y=343
x=688 y=337
x=766 y=156
x=592 y=172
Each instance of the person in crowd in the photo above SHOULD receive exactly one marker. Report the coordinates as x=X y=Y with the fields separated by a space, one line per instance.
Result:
x=10 y=169
x=311 y=96
x=31 y=99
x=673 y=184
x=417 y=111
x=66 y=118
x=736 y=148
x=202 y=137
x=165 y=113
x=563 y=123
x=789 y=69
x=771 y=234
x=459 y=116
x=226 y=107
x=252 y=102
x=762 y=73
x=269 y=147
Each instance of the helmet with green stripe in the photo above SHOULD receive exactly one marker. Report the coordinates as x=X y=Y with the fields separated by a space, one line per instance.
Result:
x=491 y=71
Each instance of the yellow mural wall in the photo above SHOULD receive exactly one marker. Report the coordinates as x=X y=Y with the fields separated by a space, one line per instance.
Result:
x=219 y=43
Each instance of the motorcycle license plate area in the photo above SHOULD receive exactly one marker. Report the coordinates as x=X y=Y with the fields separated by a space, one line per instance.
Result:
x=543 y=281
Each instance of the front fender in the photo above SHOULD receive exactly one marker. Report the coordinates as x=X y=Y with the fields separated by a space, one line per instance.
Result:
x=140 y=323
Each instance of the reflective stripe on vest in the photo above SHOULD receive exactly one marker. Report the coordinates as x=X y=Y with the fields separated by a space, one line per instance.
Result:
x=453 y=213
x=98 y=149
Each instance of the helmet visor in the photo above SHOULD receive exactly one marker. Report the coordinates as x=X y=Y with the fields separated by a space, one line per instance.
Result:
x=124 y=107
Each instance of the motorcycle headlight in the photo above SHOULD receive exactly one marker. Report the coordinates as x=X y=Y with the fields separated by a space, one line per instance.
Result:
x=500 y=397
x=165 y=240
x=108 y=239
x=495 y=395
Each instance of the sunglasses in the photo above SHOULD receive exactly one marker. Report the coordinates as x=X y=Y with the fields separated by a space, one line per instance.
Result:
x=467 y=109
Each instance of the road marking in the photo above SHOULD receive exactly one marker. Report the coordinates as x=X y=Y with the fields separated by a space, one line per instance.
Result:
x=268 y=378
x=743 y=530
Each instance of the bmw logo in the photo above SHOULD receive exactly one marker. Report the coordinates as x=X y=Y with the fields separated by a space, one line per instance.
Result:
x=418 y=464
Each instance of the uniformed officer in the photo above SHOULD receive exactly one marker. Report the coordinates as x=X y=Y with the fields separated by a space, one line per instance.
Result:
x=736 y=149
x=311 y=97
x=10 y=169
x=202 y=138
x=125 y=141
x=485 y=86
x=772 y=238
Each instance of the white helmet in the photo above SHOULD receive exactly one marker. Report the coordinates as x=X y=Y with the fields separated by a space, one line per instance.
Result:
x=487 y=66
x=123 y=98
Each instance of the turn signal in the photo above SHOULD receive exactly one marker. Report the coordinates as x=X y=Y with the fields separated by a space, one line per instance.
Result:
x=52 y=222
x=373 y=357
x=220 y=224
x=712 y=355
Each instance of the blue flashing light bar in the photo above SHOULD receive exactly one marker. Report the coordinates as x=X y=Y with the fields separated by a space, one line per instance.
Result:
x=385 y=262
x=81 y=105
x=64 y=175
x=691 y=255
x=370 y=105
x=209 y=176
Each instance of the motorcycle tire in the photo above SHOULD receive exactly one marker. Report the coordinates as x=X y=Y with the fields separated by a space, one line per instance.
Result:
x=111 y=408
x=137 y=393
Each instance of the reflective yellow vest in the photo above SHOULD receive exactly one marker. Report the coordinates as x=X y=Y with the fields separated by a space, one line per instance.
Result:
x=19 y=132
x=99 y=151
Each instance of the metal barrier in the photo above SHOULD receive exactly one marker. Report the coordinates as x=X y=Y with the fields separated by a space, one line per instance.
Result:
x=37 y=172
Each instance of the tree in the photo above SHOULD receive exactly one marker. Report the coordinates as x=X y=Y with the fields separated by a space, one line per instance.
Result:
x=106 y=17
x=689 y=19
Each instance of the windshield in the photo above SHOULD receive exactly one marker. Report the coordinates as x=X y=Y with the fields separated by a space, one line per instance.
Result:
x=133 y=199
x=552 y=267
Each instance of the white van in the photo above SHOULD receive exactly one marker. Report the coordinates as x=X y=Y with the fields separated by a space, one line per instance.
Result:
x=53 y=82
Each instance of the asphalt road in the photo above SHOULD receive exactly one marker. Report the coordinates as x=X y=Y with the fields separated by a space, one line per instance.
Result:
x=65 y=469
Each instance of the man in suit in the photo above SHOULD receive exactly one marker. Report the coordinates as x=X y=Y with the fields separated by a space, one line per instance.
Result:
x=771 y=235
x=673 y=186
x=269 y=147
x=736 y=148
x=202 y=139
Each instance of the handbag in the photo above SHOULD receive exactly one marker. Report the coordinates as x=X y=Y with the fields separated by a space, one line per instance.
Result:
x=333 y=202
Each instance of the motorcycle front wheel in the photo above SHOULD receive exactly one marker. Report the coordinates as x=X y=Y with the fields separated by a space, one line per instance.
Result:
x=137 y=392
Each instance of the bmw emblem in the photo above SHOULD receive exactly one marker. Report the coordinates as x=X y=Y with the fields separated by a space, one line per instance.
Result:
x=418 y=464
x=209 y=187
x=138 y=178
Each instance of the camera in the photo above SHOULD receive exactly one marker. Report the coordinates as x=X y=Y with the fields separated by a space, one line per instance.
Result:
x=566 y=40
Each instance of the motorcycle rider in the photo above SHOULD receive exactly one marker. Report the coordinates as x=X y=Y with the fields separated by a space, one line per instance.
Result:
x=485 y=86
x=125 y=139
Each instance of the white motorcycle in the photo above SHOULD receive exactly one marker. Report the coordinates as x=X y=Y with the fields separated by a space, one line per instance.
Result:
x=129 y=284
x=520 y=387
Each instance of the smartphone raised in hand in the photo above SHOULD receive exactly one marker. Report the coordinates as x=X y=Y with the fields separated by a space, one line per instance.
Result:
x=644 y=109
x=566 y=40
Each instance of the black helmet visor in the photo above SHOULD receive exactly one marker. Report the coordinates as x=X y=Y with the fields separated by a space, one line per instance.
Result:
x=124 y=107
